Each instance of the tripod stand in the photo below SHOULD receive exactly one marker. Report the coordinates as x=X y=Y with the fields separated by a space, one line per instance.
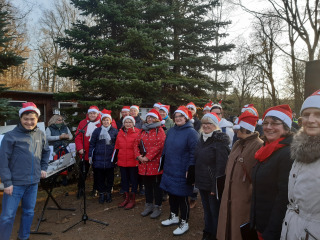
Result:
x=84 y=217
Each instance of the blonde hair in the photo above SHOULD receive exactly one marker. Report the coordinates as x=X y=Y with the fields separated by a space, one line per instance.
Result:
x=54 y=118
x=209 y=120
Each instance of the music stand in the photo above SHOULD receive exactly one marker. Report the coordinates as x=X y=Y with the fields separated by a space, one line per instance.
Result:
x=84 y=217
x=48 y=183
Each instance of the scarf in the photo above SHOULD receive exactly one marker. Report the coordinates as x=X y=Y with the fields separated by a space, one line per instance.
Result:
x=205 y=136
x=265 y=151
x=105 y=135
x=146 y=127
x=91 y=127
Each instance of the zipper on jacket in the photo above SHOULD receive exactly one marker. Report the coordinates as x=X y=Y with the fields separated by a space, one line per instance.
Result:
x=32 y=163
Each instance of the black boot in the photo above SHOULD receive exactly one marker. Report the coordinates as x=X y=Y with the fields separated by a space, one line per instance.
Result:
x=108 y=198
x=101 y=198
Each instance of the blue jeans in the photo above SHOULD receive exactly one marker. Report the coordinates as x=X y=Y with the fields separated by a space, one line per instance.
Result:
x=211 y=212
x=27 y=194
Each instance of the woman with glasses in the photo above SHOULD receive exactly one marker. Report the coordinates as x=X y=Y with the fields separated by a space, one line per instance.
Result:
x=148 y=148
x=178 y=169
x=270 y=174
x=211 y=155
x=302 y=220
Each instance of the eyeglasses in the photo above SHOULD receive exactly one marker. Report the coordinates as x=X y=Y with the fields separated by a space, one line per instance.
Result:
x=272 y=124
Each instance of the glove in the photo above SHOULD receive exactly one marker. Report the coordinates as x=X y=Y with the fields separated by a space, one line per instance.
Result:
x=191 y=175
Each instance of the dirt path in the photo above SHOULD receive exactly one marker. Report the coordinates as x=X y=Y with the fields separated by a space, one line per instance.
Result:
x=123 y=224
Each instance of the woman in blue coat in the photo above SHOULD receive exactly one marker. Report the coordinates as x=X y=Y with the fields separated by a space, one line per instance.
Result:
x=100 y=154
x=178 y=169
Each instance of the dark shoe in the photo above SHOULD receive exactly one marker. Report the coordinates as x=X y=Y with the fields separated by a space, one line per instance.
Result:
x=108 y=197
x=101 y=198
x=121 y=192
x=132 y=201
x=207 y=236
x=142 y=191
x=125 y=201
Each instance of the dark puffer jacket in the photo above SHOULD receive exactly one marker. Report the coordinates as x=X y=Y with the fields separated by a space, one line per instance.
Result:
x=179 y=156
x=100 y=152
x=270 y=192
x=211 y=159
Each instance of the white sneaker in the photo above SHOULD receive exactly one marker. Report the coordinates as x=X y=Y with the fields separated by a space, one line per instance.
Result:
x=183 y=227
x=173 y=219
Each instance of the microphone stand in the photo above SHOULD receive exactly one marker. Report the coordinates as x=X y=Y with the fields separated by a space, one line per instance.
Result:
x=84 y=217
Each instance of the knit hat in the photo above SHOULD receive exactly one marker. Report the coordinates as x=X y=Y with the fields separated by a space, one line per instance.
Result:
x=106 y=113
x=251 y=108
x=125 y=109
x=156 y=114
x=29 y=106
x=213 y=116
x=185 y=112
x=217 y=104
x=129 y=117
x=312 y=101
x=165 y=108
x=283 y=112
x=208 y=106
x=93 y=109
x=135 y=107
x=248 y=121
x=158 y=104
x=192 y=105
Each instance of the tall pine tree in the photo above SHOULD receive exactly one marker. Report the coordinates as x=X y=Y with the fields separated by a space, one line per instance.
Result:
x=7 y=59
x=141 y=52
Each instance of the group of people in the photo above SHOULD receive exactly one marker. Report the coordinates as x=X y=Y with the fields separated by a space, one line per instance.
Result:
x=261 y=184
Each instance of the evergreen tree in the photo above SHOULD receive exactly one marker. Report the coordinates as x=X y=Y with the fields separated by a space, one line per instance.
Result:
x=7 y=59
x=141 y=52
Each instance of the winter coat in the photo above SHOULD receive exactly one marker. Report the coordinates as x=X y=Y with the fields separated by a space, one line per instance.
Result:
x=101 y=152
x=236 y=198
x=120 y=123
x=79 y=138
x=169 y=124
x=153 y=141
x=302 y=220
x=211 y=158
x=53 y=136
x=227 y=127
x=139 y=122
x=125 y=146
x=196 y=124
x=179 y=156
x=24 y=154
x=270 y=192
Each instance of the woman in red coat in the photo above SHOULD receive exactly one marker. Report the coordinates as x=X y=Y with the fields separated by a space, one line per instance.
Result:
x=82 y=141
x=148 y=149
x=127 y=161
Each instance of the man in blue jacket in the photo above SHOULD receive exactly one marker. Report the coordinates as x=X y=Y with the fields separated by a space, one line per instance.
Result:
x=24 y=159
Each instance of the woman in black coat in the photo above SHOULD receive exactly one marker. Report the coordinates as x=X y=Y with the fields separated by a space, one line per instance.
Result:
x=211 y=155
x=270 y=174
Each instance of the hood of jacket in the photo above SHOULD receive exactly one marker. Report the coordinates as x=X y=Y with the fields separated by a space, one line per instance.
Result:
x=225 y=123
x=186 y=125
x=218 y=136
x=305 y=148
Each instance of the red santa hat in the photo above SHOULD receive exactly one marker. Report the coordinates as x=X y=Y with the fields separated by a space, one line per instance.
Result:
x=106 y=113
x=208 y=106
x=213 y=116
x=129 y=117
x=93 y=109
x=135 y=107
x=312 y=101
x=236 y=124
x=154 y=113
x=218 y=105
x=250 y=108
x=158 y=104
x=192 y=105
x=185 y=112
x=29 y=106
x=283 y=112
x=248 y=120
x=165 y=108
x=125 y=109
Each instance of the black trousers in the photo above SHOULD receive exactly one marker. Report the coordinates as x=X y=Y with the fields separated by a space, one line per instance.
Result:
x=103 y=178
x=129 y=175
x=83 y=175
x=179 y=203
x=152 y=189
